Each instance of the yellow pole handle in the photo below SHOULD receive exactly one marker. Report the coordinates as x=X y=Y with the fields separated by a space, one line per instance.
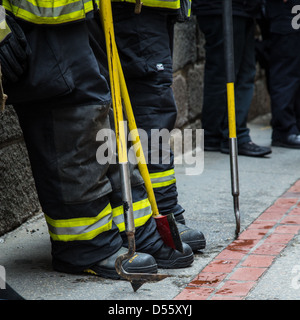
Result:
x=231 y=110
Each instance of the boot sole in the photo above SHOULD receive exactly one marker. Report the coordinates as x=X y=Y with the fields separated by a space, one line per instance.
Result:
x=112 y=273
x=285 y=145
x=196 y=245
x=181 y=262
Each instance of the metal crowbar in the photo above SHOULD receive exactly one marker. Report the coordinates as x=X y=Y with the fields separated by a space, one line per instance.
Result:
x=136 y=279
x=230 y=79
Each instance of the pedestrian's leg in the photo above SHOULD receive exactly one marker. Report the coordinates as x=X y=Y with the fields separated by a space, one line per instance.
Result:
x=214 y=113
x=245 y=69
x=284 y=84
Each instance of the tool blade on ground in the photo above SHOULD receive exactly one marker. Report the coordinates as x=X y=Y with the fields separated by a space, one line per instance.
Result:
x=136 y=279
x=167 y=228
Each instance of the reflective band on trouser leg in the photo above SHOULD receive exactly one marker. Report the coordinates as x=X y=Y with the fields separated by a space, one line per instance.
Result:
x=165 y=190
x=85 y=228
x=142 y=213
x=163 y=179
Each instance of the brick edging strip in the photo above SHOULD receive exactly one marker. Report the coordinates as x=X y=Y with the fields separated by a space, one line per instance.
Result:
x=237 y=269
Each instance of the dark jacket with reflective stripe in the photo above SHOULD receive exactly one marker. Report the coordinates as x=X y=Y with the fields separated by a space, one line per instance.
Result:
x=61 y=11
x=245 y=8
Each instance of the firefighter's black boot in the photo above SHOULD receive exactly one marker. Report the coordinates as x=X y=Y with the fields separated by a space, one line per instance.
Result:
x=194 y=238
x=139 y=263
x=168 y=258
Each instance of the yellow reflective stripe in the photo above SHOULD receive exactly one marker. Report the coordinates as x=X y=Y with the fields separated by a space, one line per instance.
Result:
x=79 y=237
x=50 y=12
x=51 y=4
x=78 y=222
x=162 y=174
x=28 y=16
x=80 y=228
x=141 y=210
x=7 y=5
x=190 y=8
x=163 y=179
x=163 y=184
x=136 y=206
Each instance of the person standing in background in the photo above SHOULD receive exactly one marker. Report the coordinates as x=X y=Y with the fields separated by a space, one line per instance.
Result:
x=214 y=113
x=284 y=68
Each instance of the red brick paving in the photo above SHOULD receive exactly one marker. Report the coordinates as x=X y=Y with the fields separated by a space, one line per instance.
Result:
x=247 y=274
x=260 y=261
x=233 y=273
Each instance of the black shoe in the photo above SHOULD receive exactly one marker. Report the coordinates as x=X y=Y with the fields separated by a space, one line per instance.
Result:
x=168 y=258
x=139 y=263
x=291 y=141
x=195 y=239
x=253 y=150
x=250 y=149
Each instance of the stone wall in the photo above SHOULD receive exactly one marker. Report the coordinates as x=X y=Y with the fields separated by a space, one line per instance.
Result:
x=18 y=199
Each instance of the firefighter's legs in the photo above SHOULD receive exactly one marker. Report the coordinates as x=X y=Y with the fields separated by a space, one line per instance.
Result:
x=73 y=188
x=84 y=217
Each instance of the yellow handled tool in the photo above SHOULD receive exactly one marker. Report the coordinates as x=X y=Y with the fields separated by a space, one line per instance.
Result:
x=136 y=279
x=230 y=79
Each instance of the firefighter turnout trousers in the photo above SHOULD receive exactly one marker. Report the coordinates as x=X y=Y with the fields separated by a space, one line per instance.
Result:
x=145 y=47
x=62 y=102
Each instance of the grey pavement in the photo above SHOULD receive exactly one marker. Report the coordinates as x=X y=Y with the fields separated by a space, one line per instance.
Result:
x=26 y=254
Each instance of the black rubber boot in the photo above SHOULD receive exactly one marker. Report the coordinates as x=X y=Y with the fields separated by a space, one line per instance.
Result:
x=194 y=238
x=168 y=258
x=139 y=263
